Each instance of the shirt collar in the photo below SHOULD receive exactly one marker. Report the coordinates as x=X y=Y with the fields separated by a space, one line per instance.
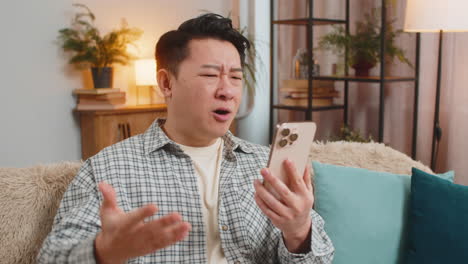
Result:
x=154 y=139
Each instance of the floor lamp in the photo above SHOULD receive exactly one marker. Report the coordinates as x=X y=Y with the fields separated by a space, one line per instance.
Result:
x=436 y=16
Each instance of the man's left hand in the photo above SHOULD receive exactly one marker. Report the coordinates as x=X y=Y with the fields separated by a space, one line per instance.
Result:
x=291 y=211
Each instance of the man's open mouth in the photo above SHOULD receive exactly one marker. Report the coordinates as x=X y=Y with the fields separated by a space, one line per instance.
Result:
x=222 y=111
x=222 y=114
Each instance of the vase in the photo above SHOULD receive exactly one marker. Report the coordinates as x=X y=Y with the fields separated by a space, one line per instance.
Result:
x=362 y=68
x=102 y=77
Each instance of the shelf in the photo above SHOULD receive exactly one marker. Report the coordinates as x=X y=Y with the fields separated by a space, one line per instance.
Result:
x=126 y=109
x=302 y=108
x=374 y=79
x=305 y=21
x=278 y=86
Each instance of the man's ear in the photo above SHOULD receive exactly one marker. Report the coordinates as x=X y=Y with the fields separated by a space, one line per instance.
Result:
x=164 y=82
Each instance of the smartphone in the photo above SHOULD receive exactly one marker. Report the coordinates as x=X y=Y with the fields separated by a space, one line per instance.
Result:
x=291 y=141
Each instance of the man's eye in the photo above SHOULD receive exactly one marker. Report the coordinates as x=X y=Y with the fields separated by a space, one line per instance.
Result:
x=209 y=75
x=237 y=78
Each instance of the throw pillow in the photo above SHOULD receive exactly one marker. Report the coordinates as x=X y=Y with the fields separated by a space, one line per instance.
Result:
x=438 y=230
x=365 y=212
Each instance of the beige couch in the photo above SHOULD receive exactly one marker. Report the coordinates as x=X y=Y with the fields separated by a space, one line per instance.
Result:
x=29 y=197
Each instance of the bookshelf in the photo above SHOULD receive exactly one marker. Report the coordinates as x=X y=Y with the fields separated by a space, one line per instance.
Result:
x=310 y=23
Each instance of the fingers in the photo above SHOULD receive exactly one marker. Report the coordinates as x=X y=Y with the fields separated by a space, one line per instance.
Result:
x=109 y=197
x=284 y=192
x=271 y=201
x=171 y=235
x=306 y=177
x=139 y=214
x=165 y=221
x=265 y=209
x=295 y=180
x=166 y=231
x=178 y=232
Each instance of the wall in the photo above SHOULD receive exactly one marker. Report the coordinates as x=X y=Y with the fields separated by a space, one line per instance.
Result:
x=255 y=15
x=36 y=103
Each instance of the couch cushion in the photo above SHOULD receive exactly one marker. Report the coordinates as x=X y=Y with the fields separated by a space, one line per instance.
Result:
x=29 y=198
x=365 y=212
x=438 y=220
x=372 y=156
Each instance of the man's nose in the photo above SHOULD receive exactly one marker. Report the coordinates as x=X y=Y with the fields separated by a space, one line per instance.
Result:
x=225 y=89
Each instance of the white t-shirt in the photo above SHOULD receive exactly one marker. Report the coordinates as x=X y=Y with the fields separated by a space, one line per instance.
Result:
x=207 y=163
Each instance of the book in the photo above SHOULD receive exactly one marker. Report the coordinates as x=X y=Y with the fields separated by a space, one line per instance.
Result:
x=303 y=84
x=96 y=91
x=314 y=95
x=327 y=101
x=102 y=102
x=100 y=107
x=101 y=96
x=314 y=89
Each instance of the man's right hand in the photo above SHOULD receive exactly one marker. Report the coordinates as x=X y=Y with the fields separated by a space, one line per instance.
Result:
x=127 y=235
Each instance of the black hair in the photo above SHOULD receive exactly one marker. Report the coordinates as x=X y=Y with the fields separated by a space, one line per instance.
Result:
x=172 y=47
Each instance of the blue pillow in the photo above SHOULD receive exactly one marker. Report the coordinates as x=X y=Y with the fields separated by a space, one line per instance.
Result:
x=438 y=222
x=365 y=212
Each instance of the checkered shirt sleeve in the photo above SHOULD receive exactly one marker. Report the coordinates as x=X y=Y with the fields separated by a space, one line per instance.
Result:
x=150 y=168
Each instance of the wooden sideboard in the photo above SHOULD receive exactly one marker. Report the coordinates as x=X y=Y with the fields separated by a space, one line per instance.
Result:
x=102 y=128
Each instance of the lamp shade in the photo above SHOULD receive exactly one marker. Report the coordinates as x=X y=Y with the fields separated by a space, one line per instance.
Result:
x=145 y=72
x=436 y=15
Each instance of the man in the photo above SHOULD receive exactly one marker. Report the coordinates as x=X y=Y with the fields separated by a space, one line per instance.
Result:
x=184 y=191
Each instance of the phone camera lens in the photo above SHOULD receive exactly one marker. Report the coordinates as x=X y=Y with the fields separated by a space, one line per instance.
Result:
x=283 y=142
x=293 y=137
x=285 y=132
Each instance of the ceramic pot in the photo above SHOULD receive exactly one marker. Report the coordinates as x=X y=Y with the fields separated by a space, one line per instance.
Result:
x=102 y=77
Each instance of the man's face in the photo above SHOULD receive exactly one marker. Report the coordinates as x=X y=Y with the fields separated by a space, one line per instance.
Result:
x=206 y=94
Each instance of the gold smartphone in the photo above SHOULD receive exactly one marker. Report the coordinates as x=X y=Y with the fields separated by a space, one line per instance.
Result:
x=291 y=141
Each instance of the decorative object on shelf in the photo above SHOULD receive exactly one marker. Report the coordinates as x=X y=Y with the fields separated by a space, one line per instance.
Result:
x=436 y=16
x=295 y=92
x=90 y=49
x=364 y=46
x=99 y=99
x=148 y=91
x=300 y=67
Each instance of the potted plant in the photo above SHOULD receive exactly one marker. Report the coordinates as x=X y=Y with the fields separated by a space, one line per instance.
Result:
x=90 y=49
x=348 y=134
x=364 y=46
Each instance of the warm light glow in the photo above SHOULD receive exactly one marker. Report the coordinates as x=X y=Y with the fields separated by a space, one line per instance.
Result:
x=436 y=15
x=145 y=72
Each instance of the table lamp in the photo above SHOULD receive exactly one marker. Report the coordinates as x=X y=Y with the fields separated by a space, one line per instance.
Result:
x=146 y=86
x=436 y=16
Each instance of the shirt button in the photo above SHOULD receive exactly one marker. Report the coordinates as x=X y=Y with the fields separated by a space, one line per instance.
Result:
x=224 y=228
x=237 y=262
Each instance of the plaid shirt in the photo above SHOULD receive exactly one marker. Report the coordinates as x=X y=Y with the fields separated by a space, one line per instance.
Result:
x=150 y=168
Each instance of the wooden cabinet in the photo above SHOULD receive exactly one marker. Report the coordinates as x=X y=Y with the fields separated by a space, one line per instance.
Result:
x=102 y=128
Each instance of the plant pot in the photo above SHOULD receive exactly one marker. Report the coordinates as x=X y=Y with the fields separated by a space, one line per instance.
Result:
x=362 y=68
x=102 y=77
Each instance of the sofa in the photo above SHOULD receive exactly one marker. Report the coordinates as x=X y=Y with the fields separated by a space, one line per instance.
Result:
x=29 y=197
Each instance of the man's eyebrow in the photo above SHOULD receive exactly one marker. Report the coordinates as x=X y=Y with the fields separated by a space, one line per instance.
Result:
x=218 y=68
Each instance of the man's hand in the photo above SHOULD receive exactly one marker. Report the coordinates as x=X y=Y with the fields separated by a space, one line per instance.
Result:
x=291 y=212
x=127 y=235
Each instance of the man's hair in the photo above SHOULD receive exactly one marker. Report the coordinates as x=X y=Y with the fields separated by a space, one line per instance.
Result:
x=172 y=47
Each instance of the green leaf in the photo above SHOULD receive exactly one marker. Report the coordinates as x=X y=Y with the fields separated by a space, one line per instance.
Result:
x=88 y=46
x=364 y=44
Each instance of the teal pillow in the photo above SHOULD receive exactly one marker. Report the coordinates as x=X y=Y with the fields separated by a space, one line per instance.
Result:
x=365 y=212
x=438 y=222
